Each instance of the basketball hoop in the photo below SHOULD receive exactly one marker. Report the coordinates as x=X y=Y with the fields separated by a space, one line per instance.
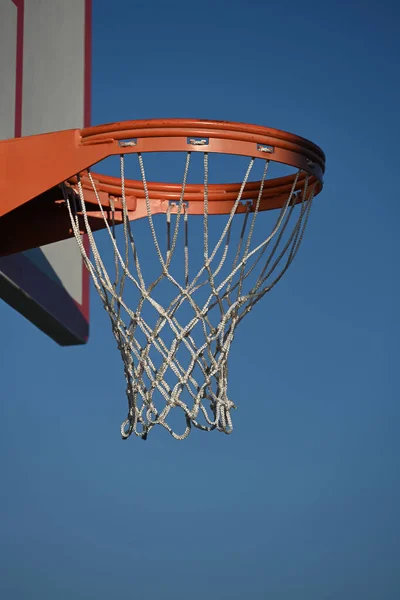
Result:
x=176 y=337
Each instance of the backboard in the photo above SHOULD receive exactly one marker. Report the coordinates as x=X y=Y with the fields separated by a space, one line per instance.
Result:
x=45 y=74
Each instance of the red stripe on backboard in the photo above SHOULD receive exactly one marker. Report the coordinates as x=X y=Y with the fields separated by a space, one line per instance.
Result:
x=87 y=121
x=88 y=65
x=85 y=306
x=19 y=67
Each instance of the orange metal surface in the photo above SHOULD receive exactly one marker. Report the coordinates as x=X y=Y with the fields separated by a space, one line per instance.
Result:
x=32 y=210
x=33 y=165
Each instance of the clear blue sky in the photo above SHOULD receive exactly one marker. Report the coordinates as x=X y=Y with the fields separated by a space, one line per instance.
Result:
x=301 y=502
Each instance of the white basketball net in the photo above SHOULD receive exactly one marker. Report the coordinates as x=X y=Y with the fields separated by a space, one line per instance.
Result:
x=177 y=358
